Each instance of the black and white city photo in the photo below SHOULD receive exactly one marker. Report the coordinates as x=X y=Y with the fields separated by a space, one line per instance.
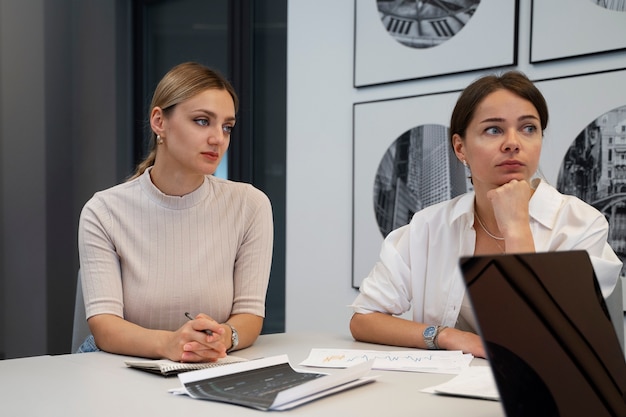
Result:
x=594 y=170
x=419 y=169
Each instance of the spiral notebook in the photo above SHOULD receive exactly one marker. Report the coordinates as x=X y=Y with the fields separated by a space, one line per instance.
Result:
x=167 y=367
x=548 y=335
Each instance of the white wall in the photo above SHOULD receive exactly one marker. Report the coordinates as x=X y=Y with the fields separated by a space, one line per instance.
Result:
x=320 y=97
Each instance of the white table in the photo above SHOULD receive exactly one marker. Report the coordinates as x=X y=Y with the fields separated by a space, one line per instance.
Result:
x=99 y=384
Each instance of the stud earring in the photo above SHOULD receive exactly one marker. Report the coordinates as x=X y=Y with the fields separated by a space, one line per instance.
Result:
x=159 y=141
x=464 y=163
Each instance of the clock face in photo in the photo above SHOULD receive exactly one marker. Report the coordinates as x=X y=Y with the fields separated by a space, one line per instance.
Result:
x=425 y=23
x=617 y=5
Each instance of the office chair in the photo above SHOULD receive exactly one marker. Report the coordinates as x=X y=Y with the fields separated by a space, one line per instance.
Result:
x=81 y=328
x=615 y=305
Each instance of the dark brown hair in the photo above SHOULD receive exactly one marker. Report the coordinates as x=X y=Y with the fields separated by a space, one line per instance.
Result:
x=513 y=81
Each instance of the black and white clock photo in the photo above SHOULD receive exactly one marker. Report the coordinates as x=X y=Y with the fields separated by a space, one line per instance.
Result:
x=401 y=40
x=617 y=5
x=425 y=23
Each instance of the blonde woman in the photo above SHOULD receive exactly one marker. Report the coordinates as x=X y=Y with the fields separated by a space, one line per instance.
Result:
x=174 y=239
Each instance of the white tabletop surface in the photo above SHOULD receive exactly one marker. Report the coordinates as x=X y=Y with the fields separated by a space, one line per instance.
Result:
x=99 y=384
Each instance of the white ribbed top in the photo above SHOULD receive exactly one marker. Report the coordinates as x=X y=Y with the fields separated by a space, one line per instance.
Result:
x=150 y=257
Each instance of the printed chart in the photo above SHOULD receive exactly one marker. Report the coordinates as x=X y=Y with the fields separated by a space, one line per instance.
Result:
x=431 y=361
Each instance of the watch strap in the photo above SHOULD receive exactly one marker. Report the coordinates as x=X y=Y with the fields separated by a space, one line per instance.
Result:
x=439 y=330
x=234 y=337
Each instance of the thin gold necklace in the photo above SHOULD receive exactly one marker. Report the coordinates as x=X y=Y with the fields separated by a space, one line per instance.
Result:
x=487 y=231
x=494 y=237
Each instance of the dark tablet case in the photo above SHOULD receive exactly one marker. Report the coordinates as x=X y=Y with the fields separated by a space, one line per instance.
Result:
x=548 y=334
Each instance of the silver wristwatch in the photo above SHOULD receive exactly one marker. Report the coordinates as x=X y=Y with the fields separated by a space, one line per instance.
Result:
x=234 y=337
x=430 y=336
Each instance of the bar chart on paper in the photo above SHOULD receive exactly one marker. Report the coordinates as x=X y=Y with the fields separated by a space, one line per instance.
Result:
x=440 y=361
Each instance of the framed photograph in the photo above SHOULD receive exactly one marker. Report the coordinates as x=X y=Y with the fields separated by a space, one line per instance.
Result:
x=574 y=103
x=403 y=161
x=584 y=149
x=569 y=28
x=392 y=140
x=399 y=40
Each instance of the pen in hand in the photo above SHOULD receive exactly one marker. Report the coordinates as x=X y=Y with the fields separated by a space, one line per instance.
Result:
x=207 y=331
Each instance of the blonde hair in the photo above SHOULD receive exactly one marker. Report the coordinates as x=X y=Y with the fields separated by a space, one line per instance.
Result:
x=179 y=84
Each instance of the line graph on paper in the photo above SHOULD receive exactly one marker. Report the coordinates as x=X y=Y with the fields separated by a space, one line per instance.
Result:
x=439 y=361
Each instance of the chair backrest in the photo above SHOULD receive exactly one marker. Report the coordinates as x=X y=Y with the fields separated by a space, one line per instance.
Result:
x=615 y=305
x=81 y=328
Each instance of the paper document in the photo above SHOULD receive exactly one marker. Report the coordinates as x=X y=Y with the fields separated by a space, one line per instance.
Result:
x=268 y=383
x=474 y=382
x=431 y=361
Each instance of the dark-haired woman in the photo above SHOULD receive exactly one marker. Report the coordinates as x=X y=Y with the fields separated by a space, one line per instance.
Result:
x=496 y=130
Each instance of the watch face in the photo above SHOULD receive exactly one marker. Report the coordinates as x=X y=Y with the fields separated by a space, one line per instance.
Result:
x=430 y=331
x=425 y=23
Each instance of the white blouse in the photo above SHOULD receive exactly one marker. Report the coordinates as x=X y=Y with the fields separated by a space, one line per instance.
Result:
x=419 y=268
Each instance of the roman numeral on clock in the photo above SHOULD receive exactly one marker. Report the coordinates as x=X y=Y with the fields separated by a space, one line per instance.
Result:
x=442 y=28
x=395 y=25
